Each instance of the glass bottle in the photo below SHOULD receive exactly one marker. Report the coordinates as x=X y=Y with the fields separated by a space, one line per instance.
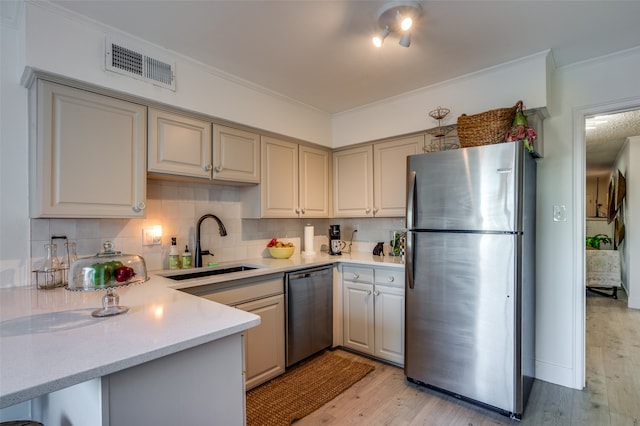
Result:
x=68 y=257
x=52 y=267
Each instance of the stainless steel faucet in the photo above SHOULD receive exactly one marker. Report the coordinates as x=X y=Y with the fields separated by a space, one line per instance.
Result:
x=199 y=251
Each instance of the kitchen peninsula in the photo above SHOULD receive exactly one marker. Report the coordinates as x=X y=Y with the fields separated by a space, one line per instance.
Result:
x=170 y=348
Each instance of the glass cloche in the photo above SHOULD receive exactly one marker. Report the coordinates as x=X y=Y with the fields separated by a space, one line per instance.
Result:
x=107 y=270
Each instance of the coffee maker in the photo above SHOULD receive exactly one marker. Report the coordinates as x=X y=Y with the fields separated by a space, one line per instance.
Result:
x=335 y=245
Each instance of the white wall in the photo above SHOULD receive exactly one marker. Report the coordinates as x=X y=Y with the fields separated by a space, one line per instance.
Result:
x=497 y=87
x=14 y=193
x=60 y=42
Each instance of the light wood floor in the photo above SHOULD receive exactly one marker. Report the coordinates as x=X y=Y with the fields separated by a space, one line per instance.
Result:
x=612 y=395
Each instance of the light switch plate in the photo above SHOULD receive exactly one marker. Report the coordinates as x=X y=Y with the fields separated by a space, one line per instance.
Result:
x=559 y=213
x=150 y=236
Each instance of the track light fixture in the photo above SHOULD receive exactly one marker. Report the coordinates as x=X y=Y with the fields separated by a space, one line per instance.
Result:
x=397 y=17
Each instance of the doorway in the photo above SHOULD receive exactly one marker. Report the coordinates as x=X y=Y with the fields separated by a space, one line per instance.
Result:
x=580 y=161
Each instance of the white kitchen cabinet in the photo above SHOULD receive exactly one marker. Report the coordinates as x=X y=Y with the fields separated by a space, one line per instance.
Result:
x=371 y=180
x=186 y=146
x=295 y=182
x=390 y=175
x=353 y=182
x=373 y=311
x=179 y=145
x=87 y=154
x=236 y=155
x=264 y=344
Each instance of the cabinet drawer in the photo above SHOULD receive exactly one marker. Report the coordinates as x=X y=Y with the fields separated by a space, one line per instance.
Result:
x=358 y=274
x=237 y=293
x=391 y=277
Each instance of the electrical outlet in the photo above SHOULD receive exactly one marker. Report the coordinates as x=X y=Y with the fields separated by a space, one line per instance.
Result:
x=356 y=227
x=559 y=213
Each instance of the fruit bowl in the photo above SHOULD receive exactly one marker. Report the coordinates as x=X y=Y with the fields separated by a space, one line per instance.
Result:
x=281 y=252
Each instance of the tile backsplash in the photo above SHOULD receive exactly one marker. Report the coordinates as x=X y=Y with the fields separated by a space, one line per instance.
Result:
x=177 y=206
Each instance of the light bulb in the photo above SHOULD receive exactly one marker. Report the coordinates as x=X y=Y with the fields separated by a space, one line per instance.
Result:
x=379 y=39
x=406 y=23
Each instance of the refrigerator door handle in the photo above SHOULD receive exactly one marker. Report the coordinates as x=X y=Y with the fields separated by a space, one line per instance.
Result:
x=411 y=195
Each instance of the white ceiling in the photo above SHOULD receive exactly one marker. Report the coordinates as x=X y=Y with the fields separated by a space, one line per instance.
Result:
x=319 y=52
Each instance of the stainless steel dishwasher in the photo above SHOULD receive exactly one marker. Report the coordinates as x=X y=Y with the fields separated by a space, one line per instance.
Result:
x=309 y=318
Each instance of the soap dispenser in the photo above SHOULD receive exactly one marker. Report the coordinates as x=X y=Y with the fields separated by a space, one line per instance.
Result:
x=186 y=258
x=174 y=260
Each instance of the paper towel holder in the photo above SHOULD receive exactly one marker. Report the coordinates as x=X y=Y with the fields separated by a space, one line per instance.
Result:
x=308 y=240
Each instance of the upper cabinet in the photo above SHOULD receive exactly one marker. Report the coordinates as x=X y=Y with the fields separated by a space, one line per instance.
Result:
x=236 y=155
x=295 y=182
x=390 y=175
x=179 y=145
x=186 y=146
x=353 y=182
x=371 y=180
x=87 y=154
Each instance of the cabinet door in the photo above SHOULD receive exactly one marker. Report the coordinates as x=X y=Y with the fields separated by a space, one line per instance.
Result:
x=179 y=145
x=353 y=182
x=358 y=318
x=89 y=156
x=279 y=186
x=389 y=323
x=390 y=175
x=236 y=155
x=264 y=344
x=314 y=182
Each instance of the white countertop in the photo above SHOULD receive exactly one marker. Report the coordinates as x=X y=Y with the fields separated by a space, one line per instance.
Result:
x=49 y=340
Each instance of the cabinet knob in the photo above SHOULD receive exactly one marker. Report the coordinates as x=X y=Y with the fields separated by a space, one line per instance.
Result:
x=368 y=292
x=297 y=210
x=376 y=293
x=217 y=169
x=207 y=168
x=356 y=276
x=375 y=210
x=304 y=210
x=367 y=210
x=391 y=278
x=141 y=206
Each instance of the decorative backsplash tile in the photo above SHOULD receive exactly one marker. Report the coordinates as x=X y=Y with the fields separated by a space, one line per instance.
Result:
x=176 y=206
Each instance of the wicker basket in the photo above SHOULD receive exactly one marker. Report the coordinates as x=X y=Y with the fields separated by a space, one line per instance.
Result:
x=486 y=128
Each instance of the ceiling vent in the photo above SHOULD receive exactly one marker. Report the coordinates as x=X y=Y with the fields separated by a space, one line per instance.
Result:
x=129 y=61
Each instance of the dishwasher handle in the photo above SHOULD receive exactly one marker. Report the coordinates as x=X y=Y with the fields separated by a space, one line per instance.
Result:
x=308 y=273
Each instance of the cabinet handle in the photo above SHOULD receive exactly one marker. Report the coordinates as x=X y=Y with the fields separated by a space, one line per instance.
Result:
x=391 y=278
x=207 y=168
x=376 y=293
x=141 y=206
x=217 y=169
x=304 y=210
x=356 y=276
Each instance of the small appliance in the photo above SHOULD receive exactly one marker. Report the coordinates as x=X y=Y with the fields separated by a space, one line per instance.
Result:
x=335 y=245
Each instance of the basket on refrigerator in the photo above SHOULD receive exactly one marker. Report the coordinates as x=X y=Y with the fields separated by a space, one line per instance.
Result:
x=487 y=127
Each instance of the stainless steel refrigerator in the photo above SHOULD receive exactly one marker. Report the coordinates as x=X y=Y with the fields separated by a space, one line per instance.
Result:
x=470 y=274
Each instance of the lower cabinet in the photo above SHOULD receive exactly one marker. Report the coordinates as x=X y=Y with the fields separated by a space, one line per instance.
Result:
x=264 y=344
x=373 y=311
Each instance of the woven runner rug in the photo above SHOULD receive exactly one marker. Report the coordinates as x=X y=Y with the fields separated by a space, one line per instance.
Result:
x=303 y=389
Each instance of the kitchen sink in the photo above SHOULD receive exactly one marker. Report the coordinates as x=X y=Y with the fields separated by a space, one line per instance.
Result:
x=209 y=272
